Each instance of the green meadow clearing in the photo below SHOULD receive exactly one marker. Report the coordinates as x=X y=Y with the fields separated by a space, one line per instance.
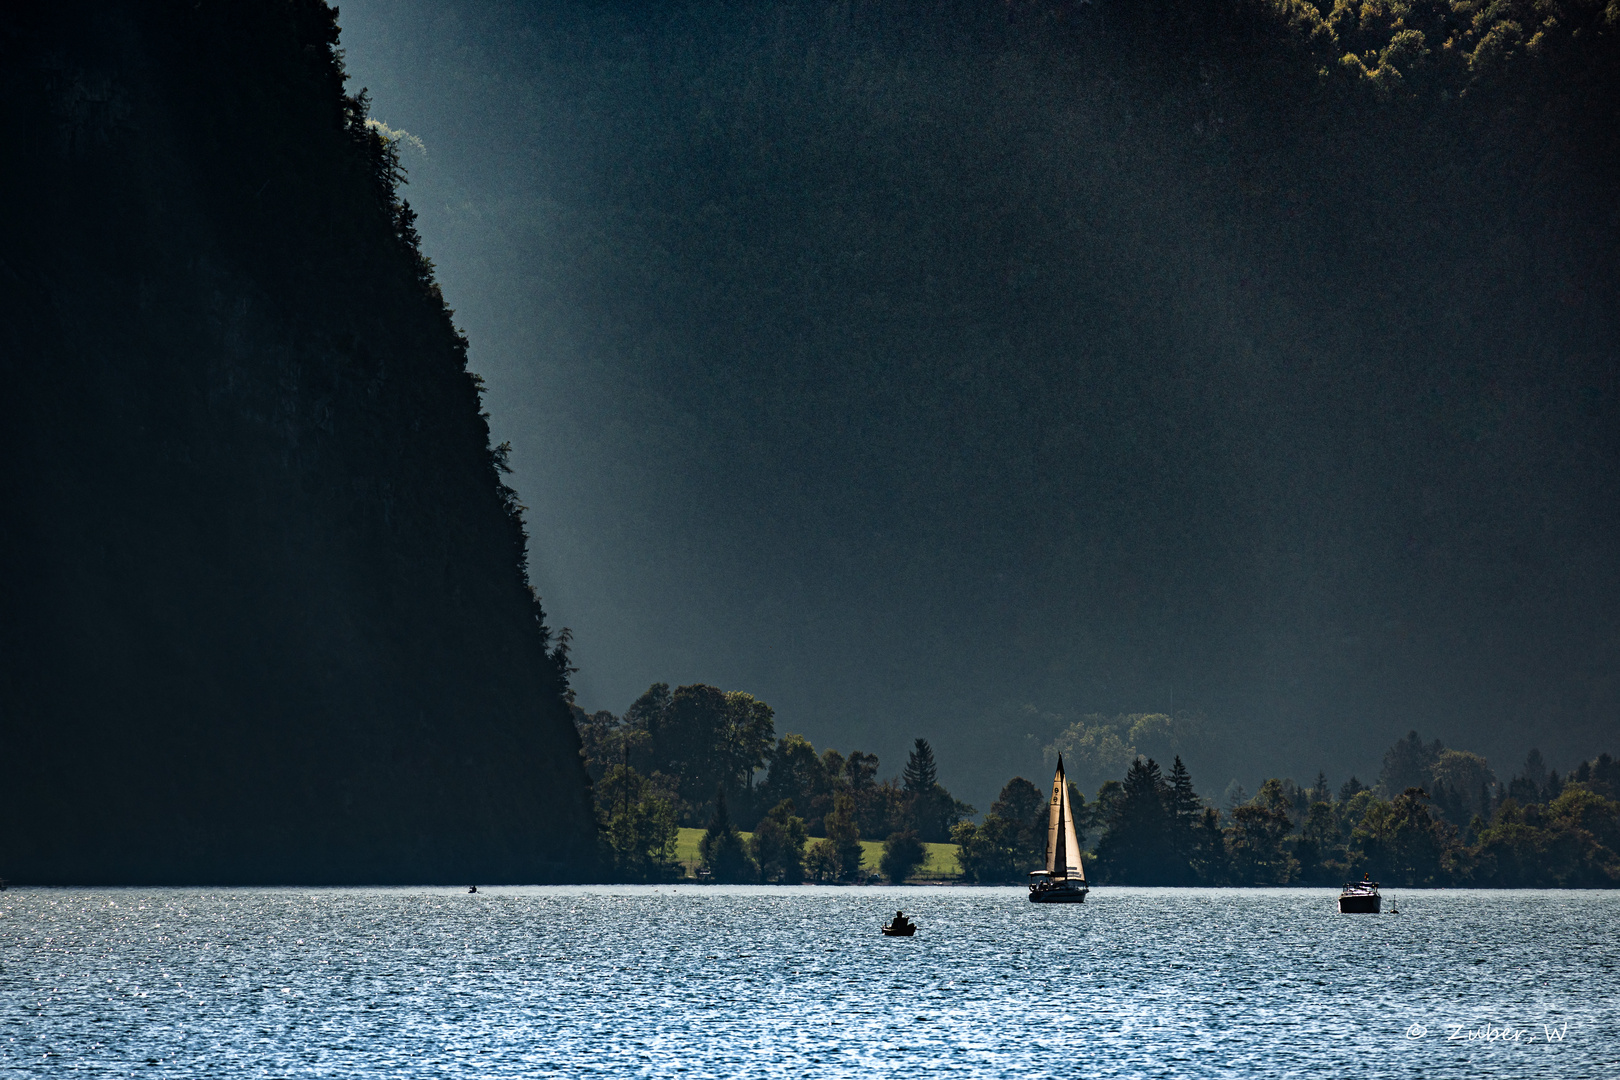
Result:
x=941 y=864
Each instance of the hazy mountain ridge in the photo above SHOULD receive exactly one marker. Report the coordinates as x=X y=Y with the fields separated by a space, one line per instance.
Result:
x=265 y=611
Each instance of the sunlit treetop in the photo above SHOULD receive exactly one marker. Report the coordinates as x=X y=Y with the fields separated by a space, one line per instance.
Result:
x=1458 y=43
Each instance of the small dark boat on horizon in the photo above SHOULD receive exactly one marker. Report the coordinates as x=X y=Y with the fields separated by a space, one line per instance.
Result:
x=1360 y=898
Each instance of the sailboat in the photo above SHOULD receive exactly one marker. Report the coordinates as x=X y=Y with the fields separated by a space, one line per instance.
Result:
x=1064 y=879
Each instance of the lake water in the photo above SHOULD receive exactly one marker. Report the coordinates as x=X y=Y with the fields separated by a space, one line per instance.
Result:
x=797 y=982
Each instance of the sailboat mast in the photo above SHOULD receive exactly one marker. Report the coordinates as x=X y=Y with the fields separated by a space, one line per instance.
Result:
x=1056 y=857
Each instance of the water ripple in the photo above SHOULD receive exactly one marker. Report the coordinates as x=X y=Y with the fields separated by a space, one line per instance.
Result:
x=779 y=982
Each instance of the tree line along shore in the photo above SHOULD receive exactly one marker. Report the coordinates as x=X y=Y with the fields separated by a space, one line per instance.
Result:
x=691 y=758
x=939 y=863
x=678 y=793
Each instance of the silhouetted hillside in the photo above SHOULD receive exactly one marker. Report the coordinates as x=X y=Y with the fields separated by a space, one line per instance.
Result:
x=264 y=613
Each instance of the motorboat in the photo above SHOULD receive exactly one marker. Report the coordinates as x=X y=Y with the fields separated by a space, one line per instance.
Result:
x=1360 y=898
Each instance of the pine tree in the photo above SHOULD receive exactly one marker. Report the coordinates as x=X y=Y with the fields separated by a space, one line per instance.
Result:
x=930 y=809
x=1184 y=809
x=1184 y=803
x=1139 y=846
x=921 y=773
x=1318 y=843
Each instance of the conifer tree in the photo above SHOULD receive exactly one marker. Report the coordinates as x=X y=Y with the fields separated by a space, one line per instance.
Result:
x=1184 y=809
x=921 y=774
x=931 y=810
x=1139 y=846
x=1183 y=802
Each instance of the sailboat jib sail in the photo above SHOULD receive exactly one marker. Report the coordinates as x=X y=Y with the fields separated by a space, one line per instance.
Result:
x=1072 y=869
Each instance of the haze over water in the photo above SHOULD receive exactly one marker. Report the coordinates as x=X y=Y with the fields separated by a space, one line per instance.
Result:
x=772 y=981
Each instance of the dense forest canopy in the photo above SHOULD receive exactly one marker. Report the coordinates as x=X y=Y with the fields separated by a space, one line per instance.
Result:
x=1426 y=823
x=264 y=611
x=974 y=368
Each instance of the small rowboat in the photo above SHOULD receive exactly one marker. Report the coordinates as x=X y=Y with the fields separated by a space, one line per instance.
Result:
x=890 y=930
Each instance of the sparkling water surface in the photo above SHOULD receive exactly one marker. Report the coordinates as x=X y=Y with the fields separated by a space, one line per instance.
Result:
x=797 y=982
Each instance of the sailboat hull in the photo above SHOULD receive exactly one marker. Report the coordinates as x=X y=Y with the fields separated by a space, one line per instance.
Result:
x=1057 y=892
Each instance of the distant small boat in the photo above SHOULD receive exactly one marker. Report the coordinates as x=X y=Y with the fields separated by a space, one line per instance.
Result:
x=1360 y=898
x=899 y=926
x=1064 y=879
x=472 y=888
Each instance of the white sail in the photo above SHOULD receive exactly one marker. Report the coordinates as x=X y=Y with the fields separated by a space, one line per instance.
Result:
x=1071 y=844
x=1062 y=846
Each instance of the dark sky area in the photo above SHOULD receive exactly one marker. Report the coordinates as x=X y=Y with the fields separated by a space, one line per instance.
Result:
x=909 y=370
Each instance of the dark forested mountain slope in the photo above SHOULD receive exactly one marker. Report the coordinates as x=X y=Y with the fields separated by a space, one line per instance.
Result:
x=263 y=603
x=911 y=362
